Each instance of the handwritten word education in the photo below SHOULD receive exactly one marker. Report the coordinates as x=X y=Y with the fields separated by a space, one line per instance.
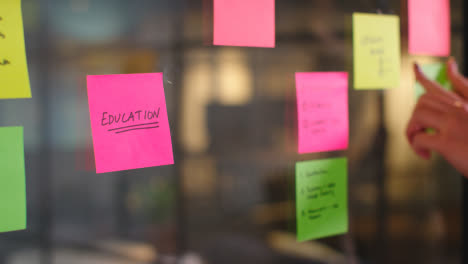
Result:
x=109 y=119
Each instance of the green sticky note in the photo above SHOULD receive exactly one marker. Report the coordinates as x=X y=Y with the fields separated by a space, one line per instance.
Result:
x=14 y=77
x=12 y=180
x=376 y=51
x=435 y=72
x=321 y=198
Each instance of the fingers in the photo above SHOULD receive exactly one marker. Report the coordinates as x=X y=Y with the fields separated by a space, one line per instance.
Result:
x=434 y=88
x=434 y=101
x=422 y=119
x=424 y=143
x=422 y=152
x=429 y=86
x=459 y=82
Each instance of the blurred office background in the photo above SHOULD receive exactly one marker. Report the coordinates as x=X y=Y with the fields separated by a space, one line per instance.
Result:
x=229 y=198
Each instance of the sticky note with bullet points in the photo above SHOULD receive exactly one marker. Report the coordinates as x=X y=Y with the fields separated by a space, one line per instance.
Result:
x=321 y=198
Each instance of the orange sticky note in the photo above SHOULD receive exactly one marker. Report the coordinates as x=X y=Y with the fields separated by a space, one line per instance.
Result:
x=249 y=23
x=129 y=121
x=429 y=27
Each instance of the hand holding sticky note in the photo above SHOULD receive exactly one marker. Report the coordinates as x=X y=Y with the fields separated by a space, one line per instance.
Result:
x=322 y=109
x=14 y=77
x=12 y=180
x=321 y=198
x=376 y=46
x=129 y=121
x=249 y=23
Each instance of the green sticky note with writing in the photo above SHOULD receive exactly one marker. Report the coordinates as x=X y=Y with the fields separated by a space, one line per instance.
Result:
x=435 y=72
x=321 y=198
x=14 y=77
x=12 y=180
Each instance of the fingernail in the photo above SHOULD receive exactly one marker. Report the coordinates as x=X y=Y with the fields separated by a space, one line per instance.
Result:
x=453 y=64
x=428 y=156
x=425 y=155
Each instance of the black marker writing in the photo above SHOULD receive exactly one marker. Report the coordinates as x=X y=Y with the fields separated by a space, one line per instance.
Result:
x=109 y=119
x=3 y=36
x=377 y=50
x=4 y=62
x=371 y=40
x=137 y=128
x=314 y=106
x=129 y=119
x=316 y=172
x=139 y=125
x=119 y=130
x=317 y=212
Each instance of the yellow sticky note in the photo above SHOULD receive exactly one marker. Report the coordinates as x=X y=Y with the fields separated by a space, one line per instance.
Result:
x=14 y=77
x=376 y=46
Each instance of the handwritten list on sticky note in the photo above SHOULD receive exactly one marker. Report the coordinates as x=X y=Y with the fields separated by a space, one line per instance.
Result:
x=12 y=180
x=429 y=27
x=321 y=198
x=436 y=72
x=376 y=47
x=322 y=108
x=129 y=121
x=249 y=23
x=14 y=77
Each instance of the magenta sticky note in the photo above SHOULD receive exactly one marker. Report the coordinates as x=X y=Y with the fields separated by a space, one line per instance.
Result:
x=429 y=27
x=249 y=23
x=322 y=106
x=129 y=121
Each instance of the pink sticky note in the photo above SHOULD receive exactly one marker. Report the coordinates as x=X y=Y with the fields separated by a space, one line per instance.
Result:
x=129 y=121
x=248 y=23
x=429 y=27
x=322 y=106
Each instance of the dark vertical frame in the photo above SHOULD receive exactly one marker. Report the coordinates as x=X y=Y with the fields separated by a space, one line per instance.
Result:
x=46 y=202
x=383 y=6
x=464 y=247
x=177 y=52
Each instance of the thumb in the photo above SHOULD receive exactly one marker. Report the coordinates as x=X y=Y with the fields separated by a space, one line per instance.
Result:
x=459 y=82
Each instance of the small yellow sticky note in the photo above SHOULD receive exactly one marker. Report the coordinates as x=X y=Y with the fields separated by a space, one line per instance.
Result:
x=376 y=46
x=14 y=77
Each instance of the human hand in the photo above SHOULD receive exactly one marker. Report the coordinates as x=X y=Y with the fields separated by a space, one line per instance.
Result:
x=446 y=113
